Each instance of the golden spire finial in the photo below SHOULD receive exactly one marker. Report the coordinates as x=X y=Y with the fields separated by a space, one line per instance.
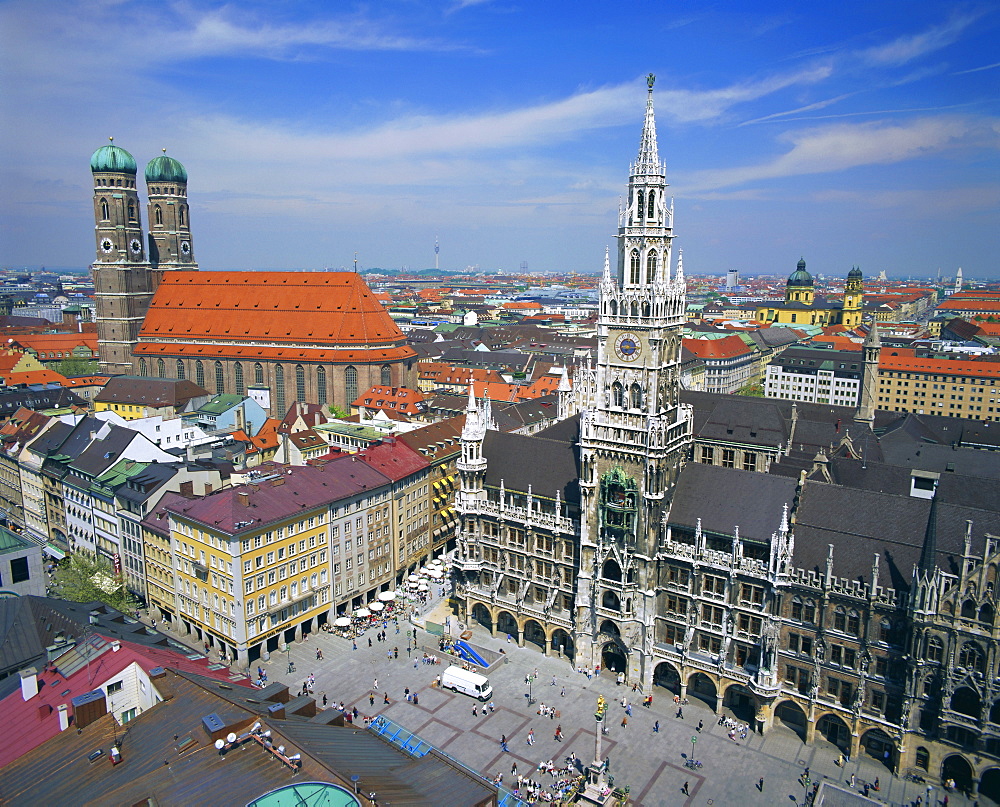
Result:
x=112 y=139
x=163 y=150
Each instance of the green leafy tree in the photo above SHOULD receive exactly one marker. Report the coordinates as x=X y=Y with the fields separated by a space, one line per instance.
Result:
x=338 y=411
x=84 y=579
x=72 y=368
x=753 y=389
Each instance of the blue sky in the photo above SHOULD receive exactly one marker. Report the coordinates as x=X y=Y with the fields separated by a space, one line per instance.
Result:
x=850 y=133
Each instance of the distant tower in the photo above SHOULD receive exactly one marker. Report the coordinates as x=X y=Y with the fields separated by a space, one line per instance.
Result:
x=122 y=283
x=869 y=381
x=799 y=286
x=854 y=293
x=437 y=250
x=958 y=280
x=170 y=244
x=732 y=279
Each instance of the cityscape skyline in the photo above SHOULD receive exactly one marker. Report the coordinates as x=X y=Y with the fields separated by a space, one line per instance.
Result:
x=491 y=126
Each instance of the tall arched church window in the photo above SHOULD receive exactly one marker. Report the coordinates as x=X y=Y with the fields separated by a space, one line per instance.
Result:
x=142 y=367
x=180 y=370
x=220 y=377
x=279 y=389
x=182 y=214
x=618 y=394
x=131 y=210
x=321 y=384
x=652 y=205
x=651 y=265
x=386 y=375
x=238 y=377
x=161 y=370
x=639 y=206
x=157 y=215
x=258 y=374
x=350 y=385
x=105 y=211
x=614 y=308
x=635 y=395
x=635 y=263
x=199 y=373
x=300 y=383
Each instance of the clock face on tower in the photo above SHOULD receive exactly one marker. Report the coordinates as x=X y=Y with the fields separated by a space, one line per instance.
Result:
x=107 y=245
x=628 y=347
x=135 y=246
x=185 y=247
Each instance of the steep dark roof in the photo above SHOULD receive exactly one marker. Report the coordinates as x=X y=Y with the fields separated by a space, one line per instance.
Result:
x=148 y=391
x=520 y=461
x=724 y=498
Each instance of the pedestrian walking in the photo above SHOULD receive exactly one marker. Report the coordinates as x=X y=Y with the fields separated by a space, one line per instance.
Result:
x=558 y=735
x=375 y=685
x=760 y=784
x=369 y=641
x=385 y=697
x=625 y=722
x=319 y=654
x=701 y=724
x=684 y=790
x=371 y=698
x=852 y=780
x=531 y=736
x=656 y=727
x=563 y=693
x=475 y=710
x=680 y=713
x=416 y=699
x=324 y=700
x=354 y=645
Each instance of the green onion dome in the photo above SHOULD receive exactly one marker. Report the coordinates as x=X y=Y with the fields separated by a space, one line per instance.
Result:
x=165 y=169
x=112 y=158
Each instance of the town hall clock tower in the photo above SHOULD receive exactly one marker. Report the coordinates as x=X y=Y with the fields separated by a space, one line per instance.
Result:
x=637 y=433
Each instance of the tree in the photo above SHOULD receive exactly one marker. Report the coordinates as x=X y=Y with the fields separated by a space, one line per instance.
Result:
x=84 y=579
x=75 y=367
x=754 y=389
x=338 y=411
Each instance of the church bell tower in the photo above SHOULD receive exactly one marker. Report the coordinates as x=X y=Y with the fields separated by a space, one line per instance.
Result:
x=637 y=433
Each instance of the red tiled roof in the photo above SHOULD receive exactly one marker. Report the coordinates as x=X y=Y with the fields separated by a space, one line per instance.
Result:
x=725 y=348
x=37 y=719
x=917 y=364
x=333 y=315
x=393 y=458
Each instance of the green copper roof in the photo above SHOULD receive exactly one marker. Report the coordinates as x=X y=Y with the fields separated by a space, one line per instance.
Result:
x=165 y=169
x=800 y=277
x=314 y=794
x=113 y=158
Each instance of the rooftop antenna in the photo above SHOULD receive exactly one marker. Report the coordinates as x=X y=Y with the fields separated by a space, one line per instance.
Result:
x=355 y=263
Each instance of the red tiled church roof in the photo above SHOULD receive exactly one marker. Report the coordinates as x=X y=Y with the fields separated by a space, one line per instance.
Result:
x=321 y=316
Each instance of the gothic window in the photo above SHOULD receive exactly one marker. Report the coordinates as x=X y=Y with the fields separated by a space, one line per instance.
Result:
x=180 y=370
x=161 y=370
x=971 y=657
x=220 y=378
x=639 y=206
x=157 y=215
x=634 y=309
x=300 y=383
x=142 y=367
x=652 y=205
x=610 y=601
x=199 y=373
x=238 y=376
x=321 y=384
x=279 y=389
x=105 y=212
x=986 y=613
x=635 y=396
x=182 y=213
x=968 y=610
x=935 y=650
x=258 y=374
x=131 y=210
x=386 y=376
x=611 y=570
x=351 y=384
x=651 y=261
x=840 y=619
x=617 y=394
x=635 y=262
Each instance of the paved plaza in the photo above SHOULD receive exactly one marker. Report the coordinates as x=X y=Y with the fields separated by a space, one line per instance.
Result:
x=652 y=764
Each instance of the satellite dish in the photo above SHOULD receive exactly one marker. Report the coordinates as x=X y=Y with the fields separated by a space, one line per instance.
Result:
x=281 y=749
x=230 y=738
x=296 y=757
x=219 y=744
x=255 y=726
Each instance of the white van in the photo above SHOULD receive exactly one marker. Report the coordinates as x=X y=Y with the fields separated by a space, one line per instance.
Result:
x=468 y=683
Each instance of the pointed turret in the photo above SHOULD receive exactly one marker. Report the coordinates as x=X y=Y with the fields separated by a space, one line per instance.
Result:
x=648 y=161
x=928 y=553
x=869 y=380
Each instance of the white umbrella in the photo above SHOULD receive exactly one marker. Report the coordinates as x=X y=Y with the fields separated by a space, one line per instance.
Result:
x=387 y=596
x=362 y=612
x=435 y=573
x=422 y=587
x=435 y=562
x=413 y=578
x=375 y=606
x=342 y=622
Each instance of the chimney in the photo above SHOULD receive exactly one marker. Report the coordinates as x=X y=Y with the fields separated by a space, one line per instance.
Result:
x=29 y=683
x=116 y=646
x=208 y=488
x=187 y=490
x=89 y=707
x=244 y=498
x=63 y=709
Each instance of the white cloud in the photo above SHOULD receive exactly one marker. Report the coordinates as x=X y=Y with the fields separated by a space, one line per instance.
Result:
x=843 y=146
x=907 y=48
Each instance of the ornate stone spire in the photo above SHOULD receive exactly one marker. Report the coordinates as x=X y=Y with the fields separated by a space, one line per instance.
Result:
x=679 y=278
x=648 y=161
x=607 y=264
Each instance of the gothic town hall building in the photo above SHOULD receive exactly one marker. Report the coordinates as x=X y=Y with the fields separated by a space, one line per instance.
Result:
x=848 y=596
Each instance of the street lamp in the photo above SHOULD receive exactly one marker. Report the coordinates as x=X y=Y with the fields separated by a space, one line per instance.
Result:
x=694 y=739
x=528 y=679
